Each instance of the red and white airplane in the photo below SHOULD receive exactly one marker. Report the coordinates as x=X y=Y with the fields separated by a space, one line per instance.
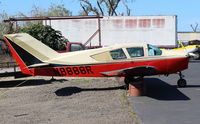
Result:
x=125 y=60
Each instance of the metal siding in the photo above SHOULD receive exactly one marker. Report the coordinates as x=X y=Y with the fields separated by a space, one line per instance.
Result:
x=156 y=30
x=187 y=36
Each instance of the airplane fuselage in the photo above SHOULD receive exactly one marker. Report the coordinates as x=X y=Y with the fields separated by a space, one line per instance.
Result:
x=37 y=59
x=163 y=66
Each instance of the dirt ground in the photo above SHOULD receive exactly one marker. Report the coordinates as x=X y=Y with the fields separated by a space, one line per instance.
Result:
x=64 y=101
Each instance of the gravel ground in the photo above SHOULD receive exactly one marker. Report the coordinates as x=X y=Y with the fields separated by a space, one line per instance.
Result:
x=72 y=101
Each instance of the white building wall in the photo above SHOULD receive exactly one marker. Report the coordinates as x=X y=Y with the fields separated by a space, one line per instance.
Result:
x=156 y=30
x=188 y=36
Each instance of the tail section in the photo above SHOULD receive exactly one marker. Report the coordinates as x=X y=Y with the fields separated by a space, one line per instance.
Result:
x=28 y=51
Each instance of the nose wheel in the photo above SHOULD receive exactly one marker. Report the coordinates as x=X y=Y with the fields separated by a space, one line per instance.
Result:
x=181 y=82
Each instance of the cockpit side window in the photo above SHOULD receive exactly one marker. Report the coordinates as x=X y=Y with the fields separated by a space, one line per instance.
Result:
x=154 y=51
x=118 y=54
x=135 y=51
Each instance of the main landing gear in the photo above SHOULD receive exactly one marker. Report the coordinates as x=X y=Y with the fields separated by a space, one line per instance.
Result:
x=181 y=82
x=138 y=80
x=135 y=81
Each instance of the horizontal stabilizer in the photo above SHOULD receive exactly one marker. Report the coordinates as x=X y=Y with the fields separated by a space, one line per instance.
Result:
x=38 y=65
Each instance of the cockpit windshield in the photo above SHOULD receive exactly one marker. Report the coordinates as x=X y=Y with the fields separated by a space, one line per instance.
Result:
x=153 y=51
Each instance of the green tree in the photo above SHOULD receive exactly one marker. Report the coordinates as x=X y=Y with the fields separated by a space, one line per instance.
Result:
x=47 y=35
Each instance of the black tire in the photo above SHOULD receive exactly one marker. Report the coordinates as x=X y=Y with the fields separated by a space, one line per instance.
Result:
x=182 y=83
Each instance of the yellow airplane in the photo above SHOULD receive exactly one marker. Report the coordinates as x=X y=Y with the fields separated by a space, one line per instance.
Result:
x=192 y=50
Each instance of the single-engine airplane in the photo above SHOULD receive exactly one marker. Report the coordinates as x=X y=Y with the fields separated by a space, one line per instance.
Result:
x=125 y=60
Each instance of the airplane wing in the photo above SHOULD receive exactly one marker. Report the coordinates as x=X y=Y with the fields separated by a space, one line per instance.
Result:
x=133 y=71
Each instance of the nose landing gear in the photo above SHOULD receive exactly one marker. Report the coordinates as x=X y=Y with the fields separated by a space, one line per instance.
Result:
x=181 y=82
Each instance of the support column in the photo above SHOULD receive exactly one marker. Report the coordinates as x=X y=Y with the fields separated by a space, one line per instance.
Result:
x=136 y=89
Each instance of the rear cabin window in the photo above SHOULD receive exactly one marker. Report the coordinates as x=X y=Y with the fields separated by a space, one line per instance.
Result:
x=117 y=54
x=135 y=51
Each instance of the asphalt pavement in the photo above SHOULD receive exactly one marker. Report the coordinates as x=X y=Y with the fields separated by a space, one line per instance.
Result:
x=165 y=103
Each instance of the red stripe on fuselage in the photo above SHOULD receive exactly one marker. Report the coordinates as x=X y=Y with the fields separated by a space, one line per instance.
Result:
x=162 y=66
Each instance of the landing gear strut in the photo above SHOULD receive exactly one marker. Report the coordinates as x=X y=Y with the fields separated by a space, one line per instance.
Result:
x=181 y=82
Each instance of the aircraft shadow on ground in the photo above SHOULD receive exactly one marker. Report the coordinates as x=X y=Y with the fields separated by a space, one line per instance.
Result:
x=154 y=88
x=32 y=82
x=67 y=91
x=160 y=90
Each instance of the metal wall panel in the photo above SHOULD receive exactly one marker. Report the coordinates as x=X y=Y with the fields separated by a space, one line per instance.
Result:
x=187 y=36
x=156 y=30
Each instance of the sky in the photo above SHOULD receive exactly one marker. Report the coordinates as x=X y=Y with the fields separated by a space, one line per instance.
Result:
x=187 y=11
